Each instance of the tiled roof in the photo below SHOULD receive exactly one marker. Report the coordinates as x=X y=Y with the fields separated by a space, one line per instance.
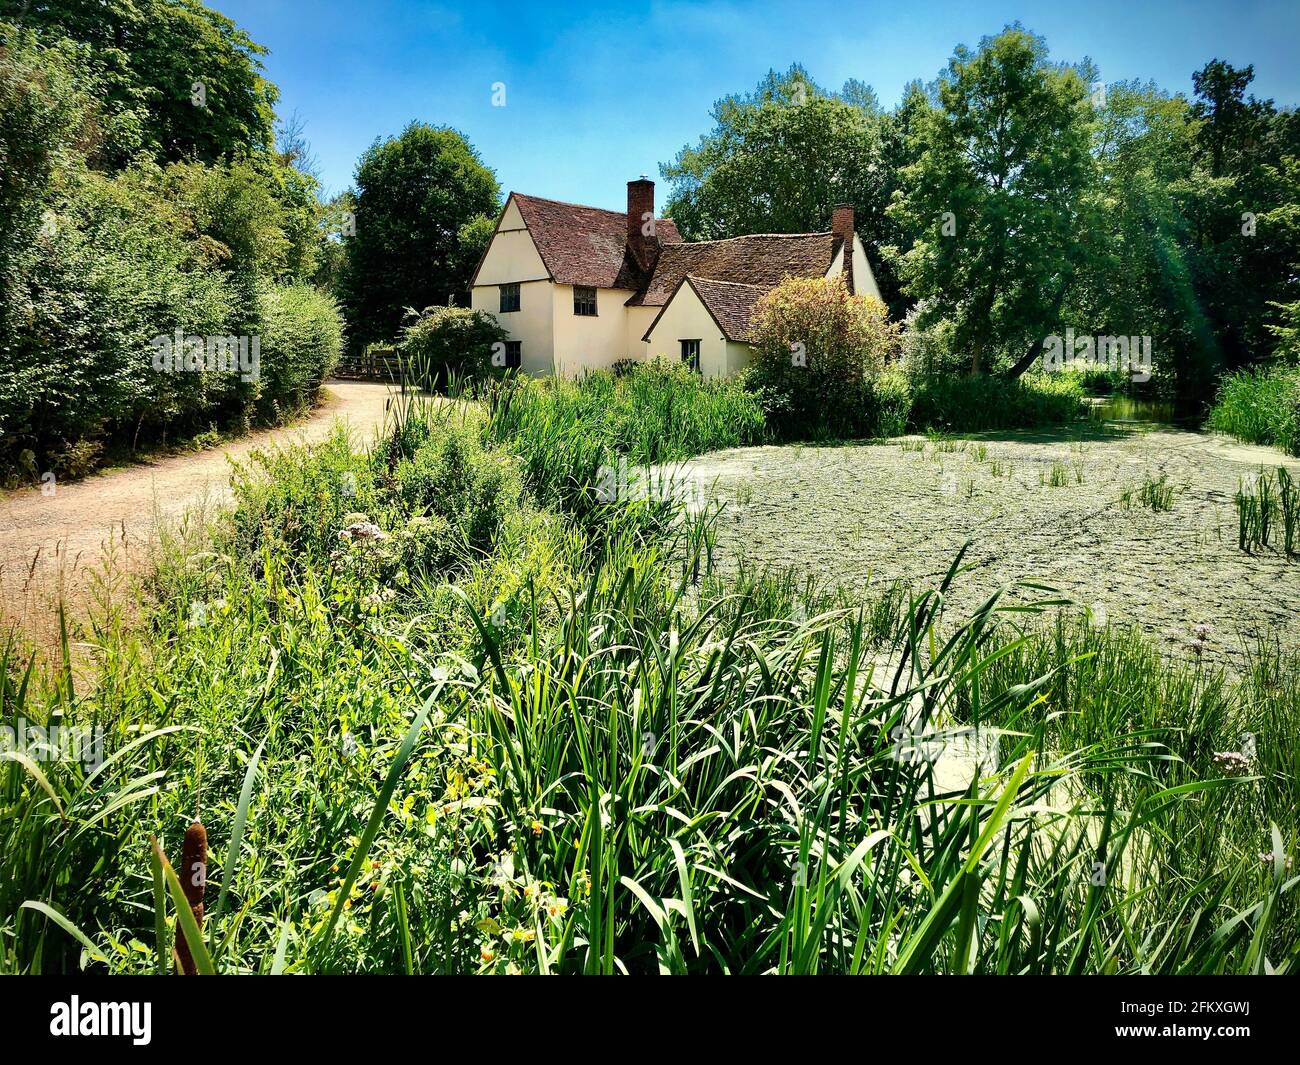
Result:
x=731 y=304
x=763 y=260
x=587 y=245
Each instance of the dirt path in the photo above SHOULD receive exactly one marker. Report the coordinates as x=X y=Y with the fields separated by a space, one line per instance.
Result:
x=854 y=515
x=55 y=545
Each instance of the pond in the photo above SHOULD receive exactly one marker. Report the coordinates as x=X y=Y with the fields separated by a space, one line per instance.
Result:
x=1129 y=409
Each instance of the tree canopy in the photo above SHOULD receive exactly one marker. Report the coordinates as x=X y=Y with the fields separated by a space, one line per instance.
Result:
x=173 y=78
x=415 y=193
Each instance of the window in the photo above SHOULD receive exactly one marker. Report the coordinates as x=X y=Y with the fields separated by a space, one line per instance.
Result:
x=691 y=354
x=510 y=297
x=584 y=301
x=514 y=349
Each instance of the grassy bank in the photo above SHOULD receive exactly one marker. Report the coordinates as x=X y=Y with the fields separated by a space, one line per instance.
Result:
x=443 y=707
x=1260 y=407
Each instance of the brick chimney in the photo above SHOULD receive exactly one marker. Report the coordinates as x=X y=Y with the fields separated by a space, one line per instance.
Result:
x=842 y=227
x=640 y=219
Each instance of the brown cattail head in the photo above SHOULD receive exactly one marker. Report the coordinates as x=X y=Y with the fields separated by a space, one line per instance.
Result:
x=193 y=875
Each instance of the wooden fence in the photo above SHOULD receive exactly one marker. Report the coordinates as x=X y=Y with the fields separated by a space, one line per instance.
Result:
x=379 y=362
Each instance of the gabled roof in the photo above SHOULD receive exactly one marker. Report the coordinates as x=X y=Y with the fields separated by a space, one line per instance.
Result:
x=586 y=245
x=729 y=303
x=762 y=259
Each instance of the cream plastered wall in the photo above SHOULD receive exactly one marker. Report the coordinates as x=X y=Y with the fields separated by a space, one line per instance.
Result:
x=532 y=325
x=583 y=342
x=864 y=281
x=686 y=318
x=512 y=256
x=638 y=321
x=738 y=356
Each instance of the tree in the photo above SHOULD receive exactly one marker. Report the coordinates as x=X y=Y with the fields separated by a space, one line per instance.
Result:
x=1233 y=125
x=174 y=77
x=1136 y=278
x=414 y=193
x=995 y=195
x=777 y=161
x=337 y=223
x=1241 y=198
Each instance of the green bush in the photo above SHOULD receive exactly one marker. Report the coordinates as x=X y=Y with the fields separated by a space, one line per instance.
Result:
x=101 y=270
x=301 y=340
x=451 y=475
x=443 y=344
x=1260 y=407
x=972 y=404
x=817 y=352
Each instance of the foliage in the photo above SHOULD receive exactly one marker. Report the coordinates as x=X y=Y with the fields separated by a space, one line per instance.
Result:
x=606 y=427
x=779 y=159
x=926 y=345
x=97 y=263
x=1260 y=406
x=973 y=404
x=817 y=351
x=445 y=343
x=1000 y=180
x=1268 y=511
x=589 y=754
x=301 y=341
x=145 y=57
x=415 y=193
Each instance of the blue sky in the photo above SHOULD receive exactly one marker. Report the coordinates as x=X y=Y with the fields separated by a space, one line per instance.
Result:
x=598 y=94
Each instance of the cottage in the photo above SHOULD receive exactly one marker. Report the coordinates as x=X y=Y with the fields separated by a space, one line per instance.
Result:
x=580 y=288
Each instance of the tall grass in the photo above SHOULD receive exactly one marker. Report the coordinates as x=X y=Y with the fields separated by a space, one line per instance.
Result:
x=1156 y=493
x=1266 y=506
x=654 y=413
x=1260 y=406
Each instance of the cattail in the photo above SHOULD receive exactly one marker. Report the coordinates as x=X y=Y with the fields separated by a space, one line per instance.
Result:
x=194 y=878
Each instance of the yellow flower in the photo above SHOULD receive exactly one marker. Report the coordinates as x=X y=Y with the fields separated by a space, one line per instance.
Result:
x=536 y=826
x=487 y=954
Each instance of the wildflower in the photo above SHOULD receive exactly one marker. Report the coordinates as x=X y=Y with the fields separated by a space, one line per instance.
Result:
x=487 y=954
x=363 y=531
x=1231 y=763
x=556 y=907
x=536 y=826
